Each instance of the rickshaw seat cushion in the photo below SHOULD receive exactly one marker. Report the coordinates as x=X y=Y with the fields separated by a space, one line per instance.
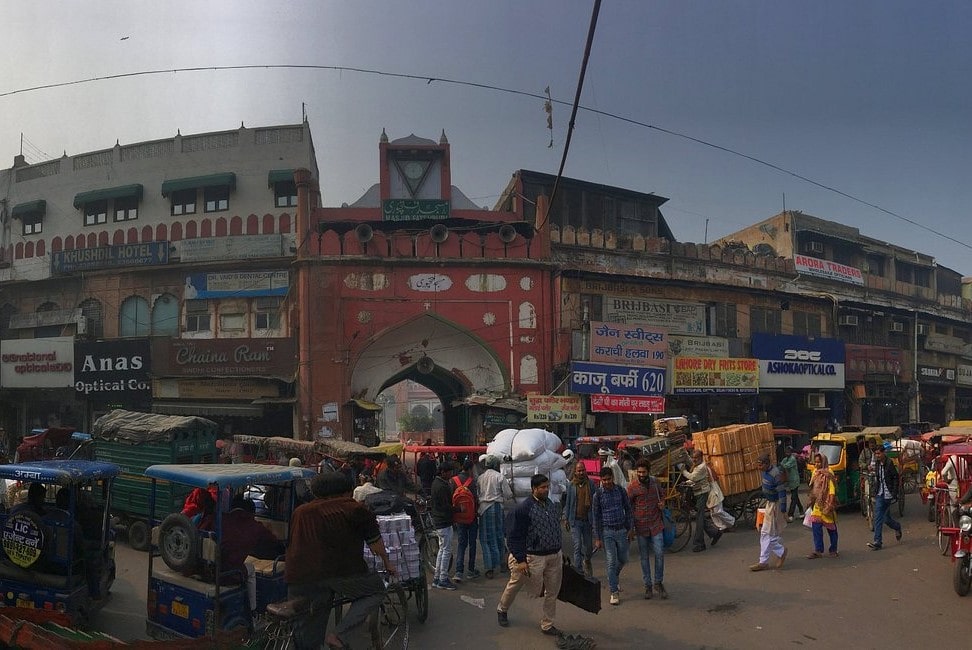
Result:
x=48 y=580
x=264 y=567
x=207 y=589
x=208 y=549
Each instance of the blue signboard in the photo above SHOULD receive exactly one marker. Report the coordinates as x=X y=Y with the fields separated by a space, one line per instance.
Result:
x=799 y=362
x=610 y=379
x=236 y=284
x=150 y=253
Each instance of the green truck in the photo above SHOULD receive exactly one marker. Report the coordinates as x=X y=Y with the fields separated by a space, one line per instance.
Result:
x=134 y=441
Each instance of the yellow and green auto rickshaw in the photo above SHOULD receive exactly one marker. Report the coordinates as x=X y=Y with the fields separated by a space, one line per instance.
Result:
x=842 y=452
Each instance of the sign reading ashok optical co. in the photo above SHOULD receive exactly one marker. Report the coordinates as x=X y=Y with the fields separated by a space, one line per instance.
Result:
x=37 y=363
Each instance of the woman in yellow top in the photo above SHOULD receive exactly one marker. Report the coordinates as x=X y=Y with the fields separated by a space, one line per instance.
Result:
x=823 y=501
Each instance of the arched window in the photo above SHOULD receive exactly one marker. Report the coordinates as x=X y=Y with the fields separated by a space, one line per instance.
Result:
x=91 y=309
x=165 y=316
x=133 y=317
x=48 y=330
x=528 y=369
x=528 y=316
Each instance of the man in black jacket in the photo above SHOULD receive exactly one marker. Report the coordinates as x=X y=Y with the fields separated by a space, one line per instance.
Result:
x=442 y=512
x=885 y=491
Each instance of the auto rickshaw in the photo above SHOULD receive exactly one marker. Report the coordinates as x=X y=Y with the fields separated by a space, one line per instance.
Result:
x=190 y=593
x=60 y=557
x=587 y=448
x=842 y=453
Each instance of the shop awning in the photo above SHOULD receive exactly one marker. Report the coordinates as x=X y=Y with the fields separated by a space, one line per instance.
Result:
x=31 y=207
x=120 y=192
x=227 y=179
x=206 y=408
x=366 y=405
x=280 y=176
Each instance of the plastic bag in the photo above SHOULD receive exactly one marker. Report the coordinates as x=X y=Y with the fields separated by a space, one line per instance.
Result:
x=807 y=514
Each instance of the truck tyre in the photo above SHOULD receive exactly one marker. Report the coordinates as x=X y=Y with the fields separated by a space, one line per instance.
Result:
x=138 y=535
x=179 y=543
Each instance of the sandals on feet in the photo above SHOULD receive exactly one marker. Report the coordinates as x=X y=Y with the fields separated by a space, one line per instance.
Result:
x=814 y=555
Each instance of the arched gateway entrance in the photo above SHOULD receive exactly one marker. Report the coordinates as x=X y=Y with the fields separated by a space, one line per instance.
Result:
x=432 y=351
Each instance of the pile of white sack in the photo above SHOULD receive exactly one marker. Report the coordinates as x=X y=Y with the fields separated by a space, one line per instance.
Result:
x=525 y=452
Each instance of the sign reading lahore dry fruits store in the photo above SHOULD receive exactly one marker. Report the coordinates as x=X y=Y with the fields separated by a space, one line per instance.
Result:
x=270 y=357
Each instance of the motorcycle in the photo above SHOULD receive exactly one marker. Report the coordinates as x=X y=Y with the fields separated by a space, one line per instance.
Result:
x=961 y=547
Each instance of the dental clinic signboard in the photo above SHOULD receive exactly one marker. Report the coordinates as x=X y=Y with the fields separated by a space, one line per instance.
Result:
x=799 y=362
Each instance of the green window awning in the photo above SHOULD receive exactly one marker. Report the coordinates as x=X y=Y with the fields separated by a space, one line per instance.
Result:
x=280 y=176
x=194 y=182
x=31 y=207
x=120 y=192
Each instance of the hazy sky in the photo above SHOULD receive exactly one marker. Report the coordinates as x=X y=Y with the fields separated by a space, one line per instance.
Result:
x=869 y=97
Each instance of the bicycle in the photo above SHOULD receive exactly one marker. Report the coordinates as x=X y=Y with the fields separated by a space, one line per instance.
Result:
x=944 y=518
x=425 y=531
x=681 y=506
x=387 y=626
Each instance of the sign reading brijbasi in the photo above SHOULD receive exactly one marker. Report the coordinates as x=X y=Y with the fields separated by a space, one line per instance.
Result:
x=799 y=362
x=553 y=408
x=827 y=269
x=624 y=404
x=698 y=346
x=704 y=375
x=151 y=253
x=113 y=371
x=671 y=315
x=609 y=379
x=638 y=345
x=269 y=357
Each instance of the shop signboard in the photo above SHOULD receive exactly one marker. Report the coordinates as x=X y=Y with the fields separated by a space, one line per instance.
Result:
x=671 y=315
x=698 y=346
x=799 y=362
x=936 y=375
x=625 y=404
x=113 y=372
x=865 y=361
x=233 y=247
x=154 y=253
x=609 y=379
x=553 y=408
x=37 y=363
x=261 y=357
x=637 y=345
x=827 y=269
x=963 y=375
x=236 y=284
x=704 y=375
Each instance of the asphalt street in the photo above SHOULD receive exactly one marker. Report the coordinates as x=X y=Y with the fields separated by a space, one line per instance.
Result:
x=898 y=597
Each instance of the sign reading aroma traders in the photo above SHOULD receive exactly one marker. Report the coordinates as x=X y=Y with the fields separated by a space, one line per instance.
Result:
x=271 y=357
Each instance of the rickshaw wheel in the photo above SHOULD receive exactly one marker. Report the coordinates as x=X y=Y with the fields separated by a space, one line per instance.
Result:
x=747 y=513
x=931 y=510
x=962 y=576
x=683 y=531
x=179 y=542
x=867 y=504
x=422 y=598
x=901 y=502
x=138 y=535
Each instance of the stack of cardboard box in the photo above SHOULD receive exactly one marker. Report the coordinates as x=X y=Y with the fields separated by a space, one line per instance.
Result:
x=731 y=451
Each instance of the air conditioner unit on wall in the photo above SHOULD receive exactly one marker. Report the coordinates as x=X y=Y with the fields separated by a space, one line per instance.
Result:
x=816 y=401
x=814 y=247
x=922 y=329
x=896 y=326
x=850 y=321
x=83 y=326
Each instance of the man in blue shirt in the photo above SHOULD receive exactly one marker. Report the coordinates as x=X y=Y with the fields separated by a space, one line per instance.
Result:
x=613 y=522
x=770 y=533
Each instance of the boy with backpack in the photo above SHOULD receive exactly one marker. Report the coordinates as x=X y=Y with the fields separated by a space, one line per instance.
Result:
x=465 y=505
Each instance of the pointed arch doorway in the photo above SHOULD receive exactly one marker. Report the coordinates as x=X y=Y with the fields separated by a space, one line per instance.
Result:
x=435 y=352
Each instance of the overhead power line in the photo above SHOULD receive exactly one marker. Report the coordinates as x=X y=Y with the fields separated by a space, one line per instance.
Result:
x=428 y=79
